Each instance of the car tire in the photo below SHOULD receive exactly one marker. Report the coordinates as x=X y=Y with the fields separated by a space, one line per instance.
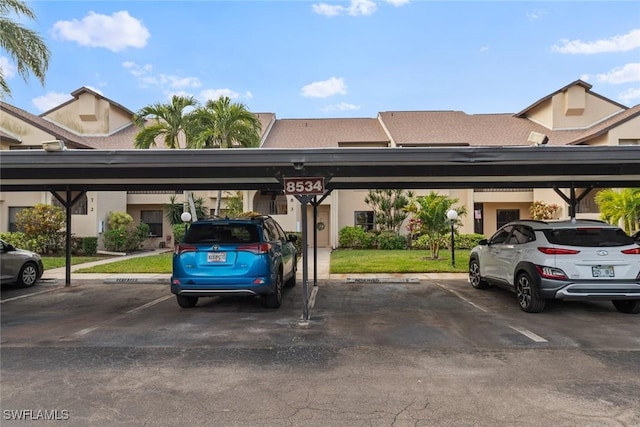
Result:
x=28 y=275
x=186 y=301
x=628 y=306
x=474 y=275
x=274 y=300
x=527 y=296
x=292 y=280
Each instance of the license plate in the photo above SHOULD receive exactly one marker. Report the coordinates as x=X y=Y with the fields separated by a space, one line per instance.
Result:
x=602 y=271
x=216 y=257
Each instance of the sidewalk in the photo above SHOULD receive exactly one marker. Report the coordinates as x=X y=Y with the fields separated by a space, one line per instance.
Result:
x=323 y=265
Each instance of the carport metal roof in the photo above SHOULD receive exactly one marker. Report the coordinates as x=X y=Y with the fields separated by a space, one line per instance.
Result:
x=342 y=168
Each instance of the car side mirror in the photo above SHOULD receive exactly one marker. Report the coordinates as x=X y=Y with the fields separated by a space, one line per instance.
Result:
x=483 y=242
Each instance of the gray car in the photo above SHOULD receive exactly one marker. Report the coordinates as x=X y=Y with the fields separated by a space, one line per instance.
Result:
x=19 y=266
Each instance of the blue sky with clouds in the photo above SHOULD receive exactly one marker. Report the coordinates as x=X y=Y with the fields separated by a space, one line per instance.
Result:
x=327 y=58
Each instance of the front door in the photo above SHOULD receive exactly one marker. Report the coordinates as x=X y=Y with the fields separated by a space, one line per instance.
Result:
x=322 y=227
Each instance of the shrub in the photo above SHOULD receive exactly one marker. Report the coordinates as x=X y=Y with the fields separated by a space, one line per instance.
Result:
x=17 y=239
x=352 y=237
x=123 y=235
x=90 y=246
x=467 y=241
x=388 y=241
x=42 y=225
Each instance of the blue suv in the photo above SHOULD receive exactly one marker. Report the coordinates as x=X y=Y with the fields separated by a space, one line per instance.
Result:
x=234 y=257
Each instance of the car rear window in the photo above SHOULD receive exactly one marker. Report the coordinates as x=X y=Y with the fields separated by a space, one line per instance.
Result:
x=221 y=233
x=588 y=237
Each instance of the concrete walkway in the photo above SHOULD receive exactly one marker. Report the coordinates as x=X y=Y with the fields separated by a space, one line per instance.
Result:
x=323 y=272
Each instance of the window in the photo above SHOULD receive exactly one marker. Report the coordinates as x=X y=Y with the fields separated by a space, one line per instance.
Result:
x=521 y=234
x=364 y=219
x=78 y=208
x=154 y=220
x=501 y=236
x=13 y=211
x=504 y=216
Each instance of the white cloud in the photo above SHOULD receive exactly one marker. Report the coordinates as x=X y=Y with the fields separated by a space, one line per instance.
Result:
x=98 y=91
x=137 y=70
x=484 y=48
x=326 y=88
x=630 y=95
x=8 y=69
x=51 y=99
x=623 y=43
x=534 y=15
x=327 y=9
x=397 y=2
x=628 y=73
x=116 y=32
x=355 y=8
x=214 y=94
x=343 y=106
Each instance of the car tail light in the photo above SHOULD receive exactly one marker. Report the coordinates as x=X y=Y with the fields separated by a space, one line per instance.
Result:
x=256 y=248
x=558 y=251
x=182 y=248
x=550 y=272
x=634 y=251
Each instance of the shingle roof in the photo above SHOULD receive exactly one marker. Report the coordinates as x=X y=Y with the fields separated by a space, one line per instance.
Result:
x=75 y=140
x=607 y=125
x=319 y=133
x=457 y=127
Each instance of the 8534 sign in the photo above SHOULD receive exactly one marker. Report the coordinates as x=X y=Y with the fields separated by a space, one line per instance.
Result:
x=307 y=186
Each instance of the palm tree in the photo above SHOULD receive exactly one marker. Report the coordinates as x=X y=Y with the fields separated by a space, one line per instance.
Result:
x=623 y=205
x=222 y=124
x=24 y=46
x=432 y=212
x=173 y=123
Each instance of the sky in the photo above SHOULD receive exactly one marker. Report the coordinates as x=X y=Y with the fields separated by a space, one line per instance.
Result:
x=325 y=59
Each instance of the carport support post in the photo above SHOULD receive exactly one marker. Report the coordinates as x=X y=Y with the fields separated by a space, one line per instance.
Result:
x=68 y=202
x=304 y=200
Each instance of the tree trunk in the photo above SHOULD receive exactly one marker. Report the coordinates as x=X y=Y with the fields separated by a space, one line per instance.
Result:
x=218 y=202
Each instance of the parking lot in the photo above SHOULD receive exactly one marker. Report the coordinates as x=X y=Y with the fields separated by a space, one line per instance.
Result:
x=431 y=352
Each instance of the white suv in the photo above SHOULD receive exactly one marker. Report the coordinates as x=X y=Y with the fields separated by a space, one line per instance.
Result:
x=568 y=260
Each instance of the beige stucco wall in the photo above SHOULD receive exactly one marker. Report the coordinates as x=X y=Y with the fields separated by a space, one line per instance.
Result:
x=596 y=110
x=17 y=200
x=29 y=135
x=90 y=115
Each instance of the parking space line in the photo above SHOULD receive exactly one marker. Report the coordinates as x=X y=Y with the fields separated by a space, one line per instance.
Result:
x=149 y=304
x=527 y=333
x=30 y=295
x=462 y=297
x=90 y=329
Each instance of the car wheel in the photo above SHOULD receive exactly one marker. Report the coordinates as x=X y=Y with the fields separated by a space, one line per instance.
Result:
x=28 y=275
x=527 y=298
x=274 y=300
x=474 y=275
x=292 y=280
x=629 y=306
x=186 y=301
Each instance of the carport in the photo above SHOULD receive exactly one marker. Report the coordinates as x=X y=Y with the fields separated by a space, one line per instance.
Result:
x=68 y=174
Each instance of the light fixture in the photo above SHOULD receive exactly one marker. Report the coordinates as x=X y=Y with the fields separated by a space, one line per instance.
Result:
x=452 y=216
x=538 y=138
x=298 y=166
x=186 y=218
x=55 y=145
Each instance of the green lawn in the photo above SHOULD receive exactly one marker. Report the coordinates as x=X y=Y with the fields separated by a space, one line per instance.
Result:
x=51 y=262
x=399 y=261
x=342 y=261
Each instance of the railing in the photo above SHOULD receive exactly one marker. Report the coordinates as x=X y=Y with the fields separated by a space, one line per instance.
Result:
x=155 y=192
x=500 y=190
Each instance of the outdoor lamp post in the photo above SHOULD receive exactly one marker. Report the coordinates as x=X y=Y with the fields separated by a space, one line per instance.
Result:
x=452 y=216
x=186 y=218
